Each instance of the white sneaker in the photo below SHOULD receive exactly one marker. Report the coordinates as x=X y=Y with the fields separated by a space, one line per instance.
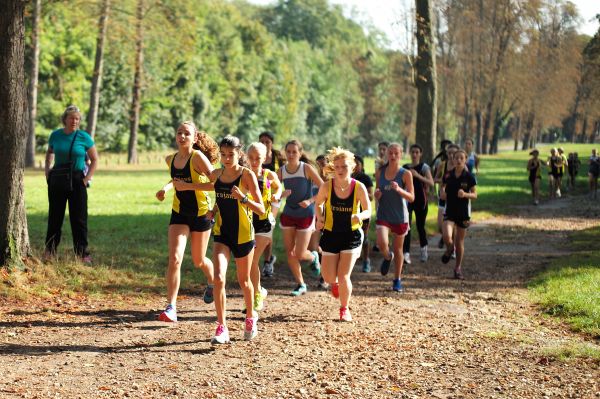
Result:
x=251 y=327
x=424 y=254
x=407 y=258
x=221 y=335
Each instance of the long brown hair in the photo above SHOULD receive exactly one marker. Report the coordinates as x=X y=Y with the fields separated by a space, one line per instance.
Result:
x=204 y=143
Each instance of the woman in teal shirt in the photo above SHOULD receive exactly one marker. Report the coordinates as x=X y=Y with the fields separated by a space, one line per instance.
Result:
x=65 y=145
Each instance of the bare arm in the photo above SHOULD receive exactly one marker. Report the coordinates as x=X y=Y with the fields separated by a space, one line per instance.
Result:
x=48 y=161
x=254 y=200
x=365 y=203
x=276 y=186
x=313 y=176
x=93 y=154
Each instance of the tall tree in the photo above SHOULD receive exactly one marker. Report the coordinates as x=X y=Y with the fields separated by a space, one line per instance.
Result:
x=33 y=82
x=97 y=76
x=14 y=237
x=137 y=84
x=425 y=80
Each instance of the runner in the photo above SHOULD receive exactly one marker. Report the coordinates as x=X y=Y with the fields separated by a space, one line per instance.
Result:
x=270 y=188
x=562 y=169
x=313 y=244
x=273 y=161
x=458 y=189
x=593 y=172
x=362 y=177
x=446 y=164
x=554 y=173
x=534 y=166
x=237 y=196
x=422 y=181
x=472 y=157
x=394 y=187
x=346 y=206
x=297 y=217
x=189 y=168
x=573 y=164
x=380 y=161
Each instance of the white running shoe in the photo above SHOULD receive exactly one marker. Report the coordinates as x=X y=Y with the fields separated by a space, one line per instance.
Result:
x=407 y=258
x=221 y=335
x=424 y=255
x=251 y=327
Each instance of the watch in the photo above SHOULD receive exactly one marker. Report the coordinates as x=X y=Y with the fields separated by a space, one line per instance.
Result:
x=245 y=199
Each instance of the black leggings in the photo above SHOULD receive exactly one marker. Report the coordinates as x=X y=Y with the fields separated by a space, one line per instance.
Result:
x=420 y=216
x=78 y=215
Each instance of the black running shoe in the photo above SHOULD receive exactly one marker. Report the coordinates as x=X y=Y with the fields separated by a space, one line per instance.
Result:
x=441 y=243
x=458 y=275
x=446 y=258
x=385 y=265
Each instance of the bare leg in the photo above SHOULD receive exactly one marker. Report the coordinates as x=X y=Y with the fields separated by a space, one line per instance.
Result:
x=383 y=241
x=177 y=240
x=329 y=267
x=221 y=256
x=199 y=242
x=398 y=256
x=344 y=270
x=289 y=241
x=243 y=275
x=460 y=246
x=262 y=243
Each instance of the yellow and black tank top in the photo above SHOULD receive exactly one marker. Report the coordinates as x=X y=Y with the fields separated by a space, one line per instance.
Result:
x=339 y=211
x=189 y=202
x=264 y=185
x=233 y=220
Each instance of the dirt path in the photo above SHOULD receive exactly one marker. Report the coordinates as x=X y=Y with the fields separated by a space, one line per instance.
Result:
x=441 y=338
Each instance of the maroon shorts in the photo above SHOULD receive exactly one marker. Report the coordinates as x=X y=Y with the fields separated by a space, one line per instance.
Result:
x=290 y=222
x=399 y=229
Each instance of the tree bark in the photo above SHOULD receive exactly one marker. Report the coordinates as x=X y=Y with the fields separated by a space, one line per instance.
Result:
x=137 y=84
x=425 y=81
x=14 y=237
x=33 y=83
x=97 y=76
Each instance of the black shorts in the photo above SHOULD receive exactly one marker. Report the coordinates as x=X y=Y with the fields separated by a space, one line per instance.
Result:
x=238 y=250
x=460 y=222
x=262 y=226
x=195 y=223
x=334 y=242
x=441 y=203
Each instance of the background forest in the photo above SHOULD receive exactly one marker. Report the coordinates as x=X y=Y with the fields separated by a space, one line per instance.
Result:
x=301 y=69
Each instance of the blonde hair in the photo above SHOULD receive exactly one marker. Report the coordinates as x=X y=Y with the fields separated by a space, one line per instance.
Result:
x=337 y=153
x=260 y=148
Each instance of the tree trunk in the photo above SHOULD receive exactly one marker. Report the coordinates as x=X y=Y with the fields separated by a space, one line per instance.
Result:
x=33 y=83
x=479 y=133
x=425 y=81
x=137 y=84
x=14 y=237
x=97 y=76
x=517 y=133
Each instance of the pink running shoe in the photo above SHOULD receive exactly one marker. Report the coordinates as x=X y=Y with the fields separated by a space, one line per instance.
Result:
x=345 y=314
x=221 y=335
x=335 y=290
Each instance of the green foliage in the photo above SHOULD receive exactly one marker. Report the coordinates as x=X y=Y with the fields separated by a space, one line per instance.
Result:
x=233 y=68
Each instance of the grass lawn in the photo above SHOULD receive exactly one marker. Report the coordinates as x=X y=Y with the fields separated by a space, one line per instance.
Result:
x=570 y=288
x=128 y=226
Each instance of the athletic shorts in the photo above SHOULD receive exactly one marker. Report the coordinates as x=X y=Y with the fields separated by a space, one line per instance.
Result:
x=300 y=224
x=264 y=228
x=533 y=179
x=238 y=250
x=398 y=229
x=335 y=242
x=463 y=224
x=195 y=223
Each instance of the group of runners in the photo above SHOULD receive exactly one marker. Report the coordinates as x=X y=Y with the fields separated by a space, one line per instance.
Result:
x=559 y=165
x=324 y=222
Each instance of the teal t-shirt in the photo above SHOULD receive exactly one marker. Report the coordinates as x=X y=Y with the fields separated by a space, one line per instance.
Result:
x=61 y=143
